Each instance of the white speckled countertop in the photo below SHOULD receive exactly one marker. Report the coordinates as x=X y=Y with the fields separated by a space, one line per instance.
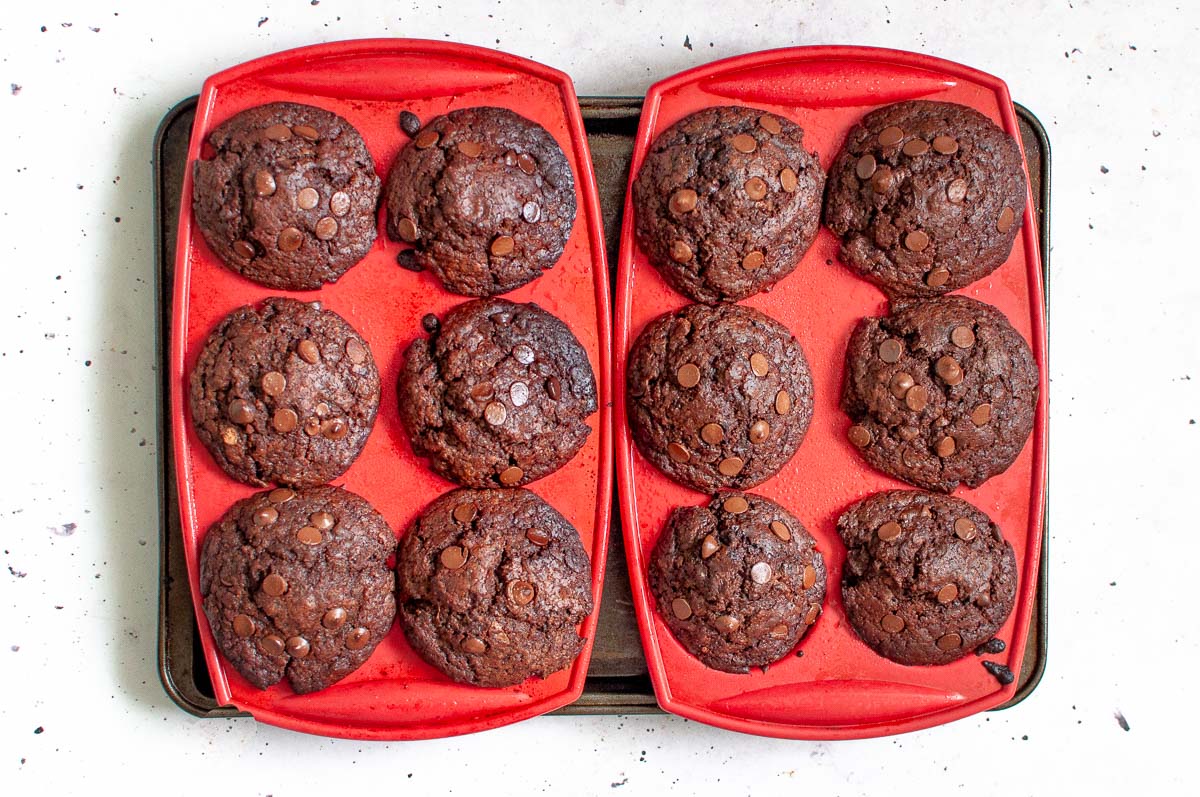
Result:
x=83 y=86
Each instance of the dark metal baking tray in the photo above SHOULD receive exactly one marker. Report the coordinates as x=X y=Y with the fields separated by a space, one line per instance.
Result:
x=617 y=681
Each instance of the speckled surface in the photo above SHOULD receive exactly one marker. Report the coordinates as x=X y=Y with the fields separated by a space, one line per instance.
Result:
x=80 y=693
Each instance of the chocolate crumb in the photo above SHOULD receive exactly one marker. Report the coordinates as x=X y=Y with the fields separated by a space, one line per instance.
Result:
x=263 y=21
x=410 y=123
x=687 y=42
x=992 y=646
x=38 y=729
x=407 y=259
x=999 y=672
x=430 y=323
x=16 y=89
x=1124 y=723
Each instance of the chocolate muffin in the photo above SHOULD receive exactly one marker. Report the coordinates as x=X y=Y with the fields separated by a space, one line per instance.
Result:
x=927 y=579
x=297 y=584
x=288 y=197
x=285 y=392
x=738 y=582
x=493 y=585
x=926 y=196
x=498 y=395
x=727 y=201
x=485 y=196
x=718 y=397
x=941 y=392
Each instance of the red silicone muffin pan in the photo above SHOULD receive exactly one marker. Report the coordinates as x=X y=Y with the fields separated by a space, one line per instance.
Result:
x=838 y=688
x=395 y=695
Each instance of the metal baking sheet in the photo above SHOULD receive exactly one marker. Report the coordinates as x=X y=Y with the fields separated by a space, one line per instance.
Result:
x=617 y=681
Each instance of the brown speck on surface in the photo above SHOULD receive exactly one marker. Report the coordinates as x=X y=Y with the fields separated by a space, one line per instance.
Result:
x=17 y=573
x=16 y=89
x=1120 y=718
x=38 y=729
x=687 y=42
x=66 y=530
x=263 y=21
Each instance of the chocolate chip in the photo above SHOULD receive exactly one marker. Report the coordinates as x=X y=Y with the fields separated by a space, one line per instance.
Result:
x=712 y=433
x=683 y=201
x=298 y=647
x=312 y=427
x=502 y=245
x=519 y=393
x=309 y=352
x=274 y=585
x=901 y=383
x=1007 y=217
x=531 y=212
x=779 y=632
x=889 y=531
x=780 y=530
x=760 y=573
x=916 y=241
x=526 y=163
x=865 y=167
x=285 y=420
x=731 y=466
x=511 y=476
x=965 y=529
x=323 y=521
x=945 y=145
x=273 y=383
x=890 y=136
x=735 y=505
x=339 y=203
x=240 y=411
x=688 y=375
x=916 y=147
x=358 y=638
x=770 y=124
x=678 y=453
x=956 y=192
x=783 y=402
x=326 y=228
x=759 y=431
x=681 y=252
x=335 y=429
x=727 y=623
x=999 y=672
x=993 y=646
x=520 y=592
x=538 y=537
x=755 y=188
x=469 y=148
x=495 y=413
x=335 y=618
x=949 y=641
x=981 y=414
x=281 y=495
x=465 y=513
x=243 y=626
x=759 y=364
x=962 y=337
x=430 y=323
x=453 y=557
x=289 y=239
x=814 y=612
x=681 y=608
x=426 y=139
x=410 y=123
x=881 y=181
x=752 y=260
x=949 y=370
x=744 y=143
x=244 y=249
x=407 y=228
x=860 y=436
x=788 y=180
x=309 y=535
x=891 y=350
x=810 y=576
x=937 y=277
x=947 y=593
x=278 y=132
x=264 y=183
x=916 y=398
x=523 y=353
x=946 y=447
x=272 y=645
x=355 y=351
x=892 y=624
x=307 y=199
x=554 y=388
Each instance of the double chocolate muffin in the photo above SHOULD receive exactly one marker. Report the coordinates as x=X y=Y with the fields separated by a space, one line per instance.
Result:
x=493 y=585
x=727 y=201
x=941 y=392
x=718 y=397
x=926 y=196
x=485 y=196
x=285 y=392
x=498 y=395
x=296 y=584
x=738 y=582
x=288 y=197
x=927 y=579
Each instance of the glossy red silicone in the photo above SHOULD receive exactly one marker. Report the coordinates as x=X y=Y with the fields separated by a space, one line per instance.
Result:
x=395 y=695
x=833 y=686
